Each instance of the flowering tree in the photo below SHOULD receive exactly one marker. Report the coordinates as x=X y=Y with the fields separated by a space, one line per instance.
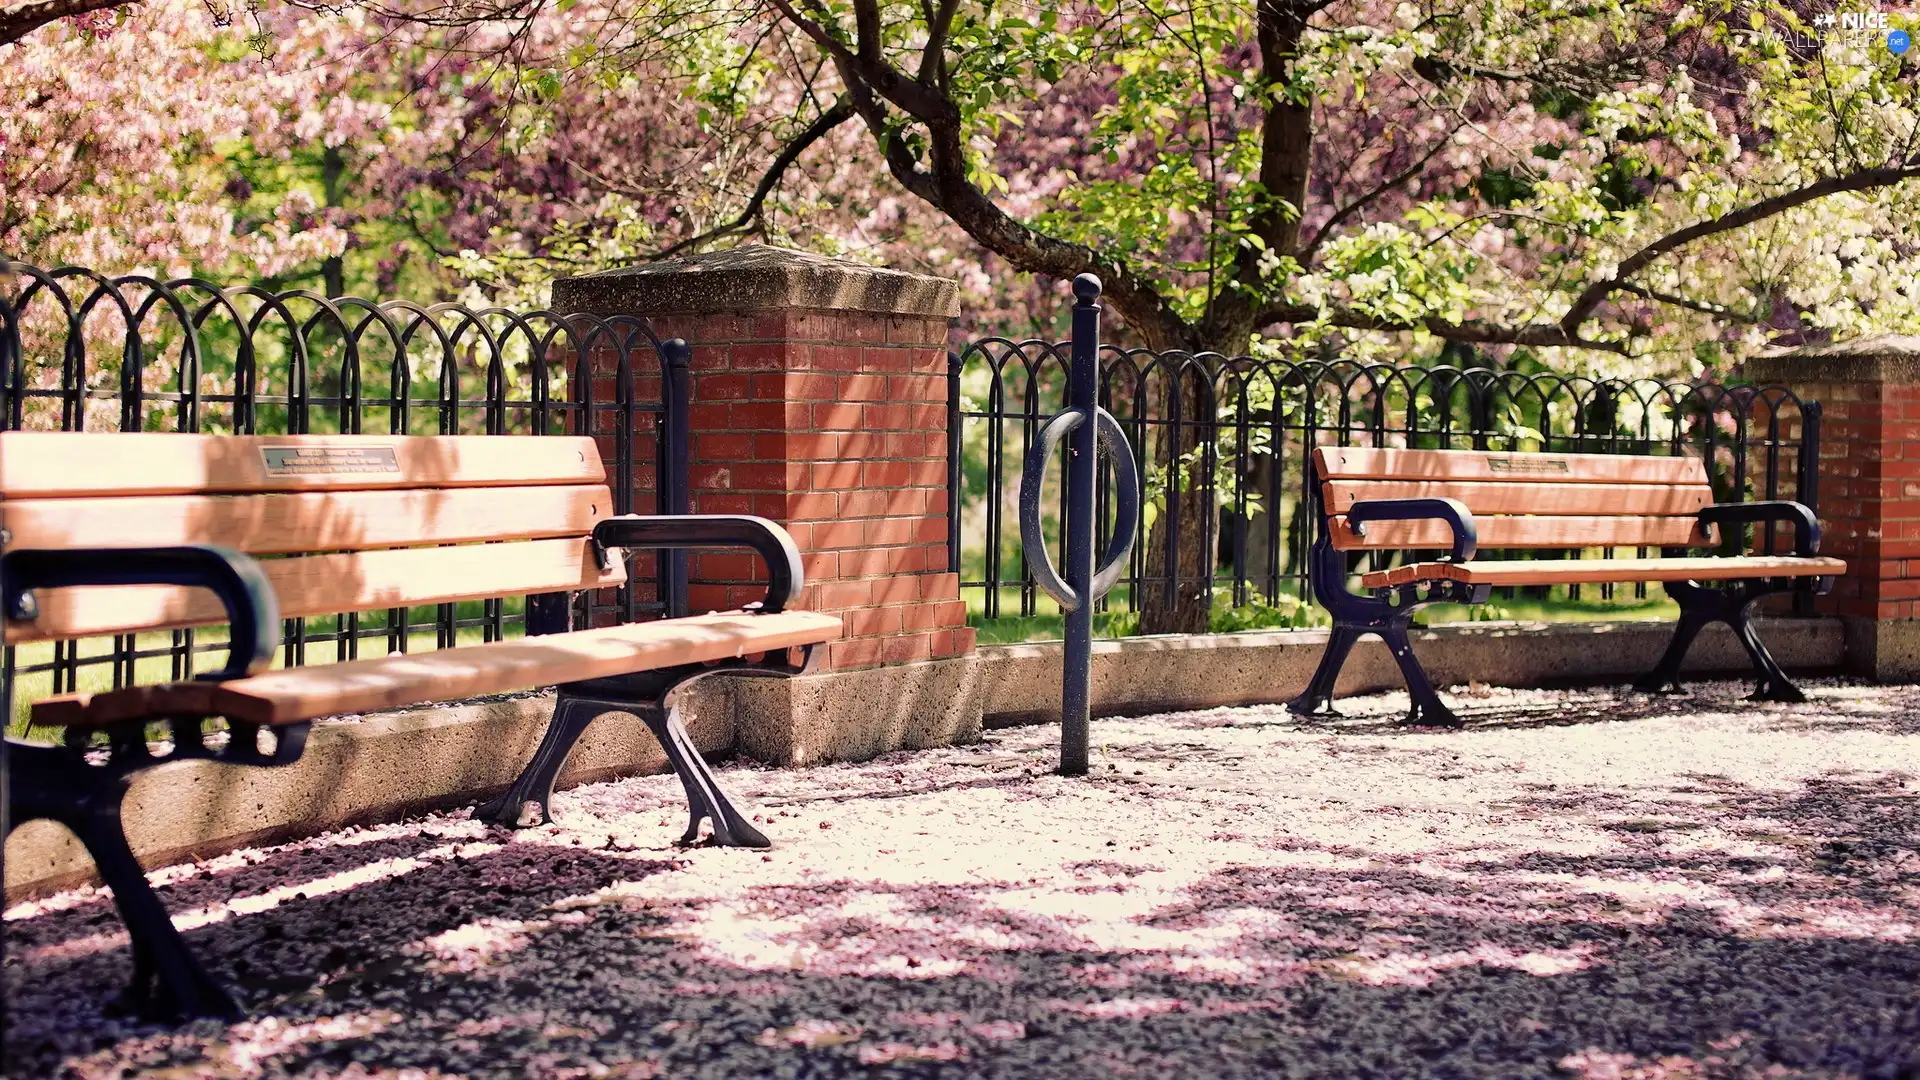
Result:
x=1501 y=172
x=111 y=155
x=1631 y=178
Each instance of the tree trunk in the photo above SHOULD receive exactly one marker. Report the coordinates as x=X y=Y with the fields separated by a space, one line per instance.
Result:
x=1181 y=558
x=1187 y=609
x=333 y=176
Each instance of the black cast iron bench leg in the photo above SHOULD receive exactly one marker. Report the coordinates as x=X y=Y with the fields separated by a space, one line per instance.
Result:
x=168 y=983
x=1733 y=605
x=1317 y=700
x=705 y=798
x=1386 y=617
x=647 y=695
x=529 y=802
x=1665 y=676
x=1425 y=709
x=78 y=788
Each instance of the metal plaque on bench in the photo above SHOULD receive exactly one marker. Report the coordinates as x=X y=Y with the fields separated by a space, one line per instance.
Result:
x=328 y=460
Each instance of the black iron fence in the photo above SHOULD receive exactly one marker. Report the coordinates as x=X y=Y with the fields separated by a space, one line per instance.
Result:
x=81 y=350
x=1226 y=441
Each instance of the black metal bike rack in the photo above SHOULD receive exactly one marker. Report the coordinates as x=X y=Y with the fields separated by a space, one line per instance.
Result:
x=1088 y=428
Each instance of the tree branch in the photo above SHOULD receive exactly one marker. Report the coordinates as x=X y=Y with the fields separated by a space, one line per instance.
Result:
x=942 y=183
x=1320 y=235
x=933 y=58
x=1715 y=310
x=866 y=19
x=19 y=20
x=1470 y=331
x=1864 y=180
x=917 y=99
x=840 y=113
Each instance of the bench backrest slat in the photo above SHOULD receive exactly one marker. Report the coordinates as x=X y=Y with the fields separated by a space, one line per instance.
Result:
x=312 y=521
x=329 y=584
x=1353 y=463
x=1604 y=500
x=59 y=464
x=1520 y=500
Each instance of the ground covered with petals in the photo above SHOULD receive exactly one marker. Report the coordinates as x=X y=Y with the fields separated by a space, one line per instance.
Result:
x=1582 y=883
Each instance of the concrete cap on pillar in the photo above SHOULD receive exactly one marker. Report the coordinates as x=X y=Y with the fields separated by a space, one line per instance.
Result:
x=1890 y=358
x=755 y=277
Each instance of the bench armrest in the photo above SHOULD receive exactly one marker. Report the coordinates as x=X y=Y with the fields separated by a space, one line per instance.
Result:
x=1806 y=527
x=653 y=532
x=253 y=615
x=1452 y=511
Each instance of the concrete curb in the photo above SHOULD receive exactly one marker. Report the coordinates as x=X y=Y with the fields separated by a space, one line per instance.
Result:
x=1135 y=676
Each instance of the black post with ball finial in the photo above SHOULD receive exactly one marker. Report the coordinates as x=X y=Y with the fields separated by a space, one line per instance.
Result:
x=1088 y=430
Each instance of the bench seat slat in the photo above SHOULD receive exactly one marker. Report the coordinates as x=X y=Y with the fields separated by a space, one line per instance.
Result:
x=67 y=464
x=1545 y=531
x=311 y=521
x=1602 y=571
x=329 y=584
x=1502 y=497
x=1357 y=463
x=362 y=686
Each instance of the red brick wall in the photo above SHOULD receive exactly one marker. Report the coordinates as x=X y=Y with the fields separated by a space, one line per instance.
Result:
x=1870 y=495
x=832 y=423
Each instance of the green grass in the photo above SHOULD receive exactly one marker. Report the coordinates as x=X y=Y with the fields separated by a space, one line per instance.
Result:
x=1290 y=613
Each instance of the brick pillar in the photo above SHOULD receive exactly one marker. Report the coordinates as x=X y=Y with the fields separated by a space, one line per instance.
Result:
x=819 y=397
x=1869 y=489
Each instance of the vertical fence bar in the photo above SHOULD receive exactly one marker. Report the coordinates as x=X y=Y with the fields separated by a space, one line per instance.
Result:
x=1170 y=438
x=625 y=463
x=1806 y=487
x=677 y=450
x=552 y=613
x=12 y=366
x=955 y=431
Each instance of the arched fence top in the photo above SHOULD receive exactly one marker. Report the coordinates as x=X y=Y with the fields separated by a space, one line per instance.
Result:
x=75 y=342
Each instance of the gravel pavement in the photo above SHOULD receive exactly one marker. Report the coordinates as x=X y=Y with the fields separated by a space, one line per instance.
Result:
x=1582 y=883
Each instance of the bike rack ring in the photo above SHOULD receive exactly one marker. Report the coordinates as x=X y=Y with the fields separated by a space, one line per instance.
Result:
x=1126 y=485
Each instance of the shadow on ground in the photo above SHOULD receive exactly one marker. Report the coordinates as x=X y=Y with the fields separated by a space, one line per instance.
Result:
x=1835 y=705
x=1728 y=930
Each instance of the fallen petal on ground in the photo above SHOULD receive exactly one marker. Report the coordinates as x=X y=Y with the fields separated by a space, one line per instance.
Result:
x=1582 y=883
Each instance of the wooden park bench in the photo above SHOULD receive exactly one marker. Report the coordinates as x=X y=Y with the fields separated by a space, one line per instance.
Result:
x=1461 y=501
x=118 y=533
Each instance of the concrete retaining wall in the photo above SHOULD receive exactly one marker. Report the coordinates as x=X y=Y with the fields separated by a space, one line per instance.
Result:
x=1133 y=676
x=385 y=767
